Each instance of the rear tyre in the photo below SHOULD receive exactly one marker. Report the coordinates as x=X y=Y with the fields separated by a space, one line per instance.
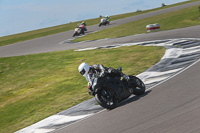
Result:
x=82 y=31
x=105 y=99
x=138 y=85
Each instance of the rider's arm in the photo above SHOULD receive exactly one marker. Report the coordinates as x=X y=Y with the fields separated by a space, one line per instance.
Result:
x=100 y=69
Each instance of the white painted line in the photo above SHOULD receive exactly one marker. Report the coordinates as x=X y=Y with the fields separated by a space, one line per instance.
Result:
x=87 y=49
x=156 y=79
x=42 y=130
x=150 y=74
x=50 y=121
x=192 y=48
x=191 y=51
x=82 y=119
x=172 y=53
x=174 y=75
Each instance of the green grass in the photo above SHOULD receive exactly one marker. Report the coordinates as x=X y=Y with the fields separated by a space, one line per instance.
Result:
x=172 y=20
x=66 y=27
x=34 y=87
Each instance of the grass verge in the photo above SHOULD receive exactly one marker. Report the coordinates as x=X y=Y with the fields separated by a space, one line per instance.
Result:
x=172 y=20
x=34 y=87
x=70 y=26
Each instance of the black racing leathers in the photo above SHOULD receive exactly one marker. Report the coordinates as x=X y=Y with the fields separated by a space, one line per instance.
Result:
x=99 y=71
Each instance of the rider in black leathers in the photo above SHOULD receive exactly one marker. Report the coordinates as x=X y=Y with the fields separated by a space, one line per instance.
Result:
x=96 y=72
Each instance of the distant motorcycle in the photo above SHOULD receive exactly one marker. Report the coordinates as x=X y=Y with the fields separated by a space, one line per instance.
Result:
x=79 y=30
x=104 y=21
x=110 y=91
x=163 y=4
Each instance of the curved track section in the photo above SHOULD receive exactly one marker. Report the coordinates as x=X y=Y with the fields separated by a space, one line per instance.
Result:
x=179 y=55
x=172 y=106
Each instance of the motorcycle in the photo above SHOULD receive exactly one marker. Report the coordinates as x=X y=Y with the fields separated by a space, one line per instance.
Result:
x=104 y=22
x=109 y=91
x=79 y=30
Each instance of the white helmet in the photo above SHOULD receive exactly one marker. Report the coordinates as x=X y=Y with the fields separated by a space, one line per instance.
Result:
x=107 y=16
x=84 y=69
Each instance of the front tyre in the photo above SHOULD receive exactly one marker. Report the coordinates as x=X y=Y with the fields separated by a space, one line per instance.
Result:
x=138 y=85
x=105 y=99
x=75 y=34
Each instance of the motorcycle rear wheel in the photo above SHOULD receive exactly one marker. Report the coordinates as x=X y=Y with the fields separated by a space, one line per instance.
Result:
x=105 y=99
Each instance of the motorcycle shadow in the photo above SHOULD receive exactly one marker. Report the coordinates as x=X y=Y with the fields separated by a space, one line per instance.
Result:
x=112 y=23
x=132 y=99
x=86 y=32
x=89 y=32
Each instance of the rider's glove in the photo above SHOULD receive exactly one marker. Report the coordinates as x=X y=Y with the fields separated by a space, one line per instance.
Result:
x=102 y=74
x=111 y=70
x=126 y=77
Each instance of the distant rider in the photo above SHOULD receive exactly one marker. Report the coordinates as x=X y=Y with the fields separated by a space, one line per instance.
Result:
x=84 y=27
x=108 y=19
x=163 y=4
x=83 y=23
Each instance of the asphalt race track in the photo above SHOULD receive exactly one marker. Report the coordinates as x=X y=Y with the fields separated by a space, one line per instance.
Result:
x=170 y=107
x=175 y=60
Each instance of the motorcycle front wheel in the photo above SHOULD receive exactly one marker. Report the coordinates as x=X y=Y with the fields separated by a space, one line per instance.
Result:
x=75 y=34
x=139 y=87
x=105 y=99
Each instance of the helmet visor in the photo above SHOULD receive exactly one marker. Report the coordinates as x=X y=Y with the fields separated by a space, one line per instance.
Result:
x=82 y=72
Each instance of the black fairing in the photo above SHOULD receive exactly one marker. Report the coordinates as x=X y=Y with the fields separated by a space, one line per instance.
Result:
x=116 y=87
